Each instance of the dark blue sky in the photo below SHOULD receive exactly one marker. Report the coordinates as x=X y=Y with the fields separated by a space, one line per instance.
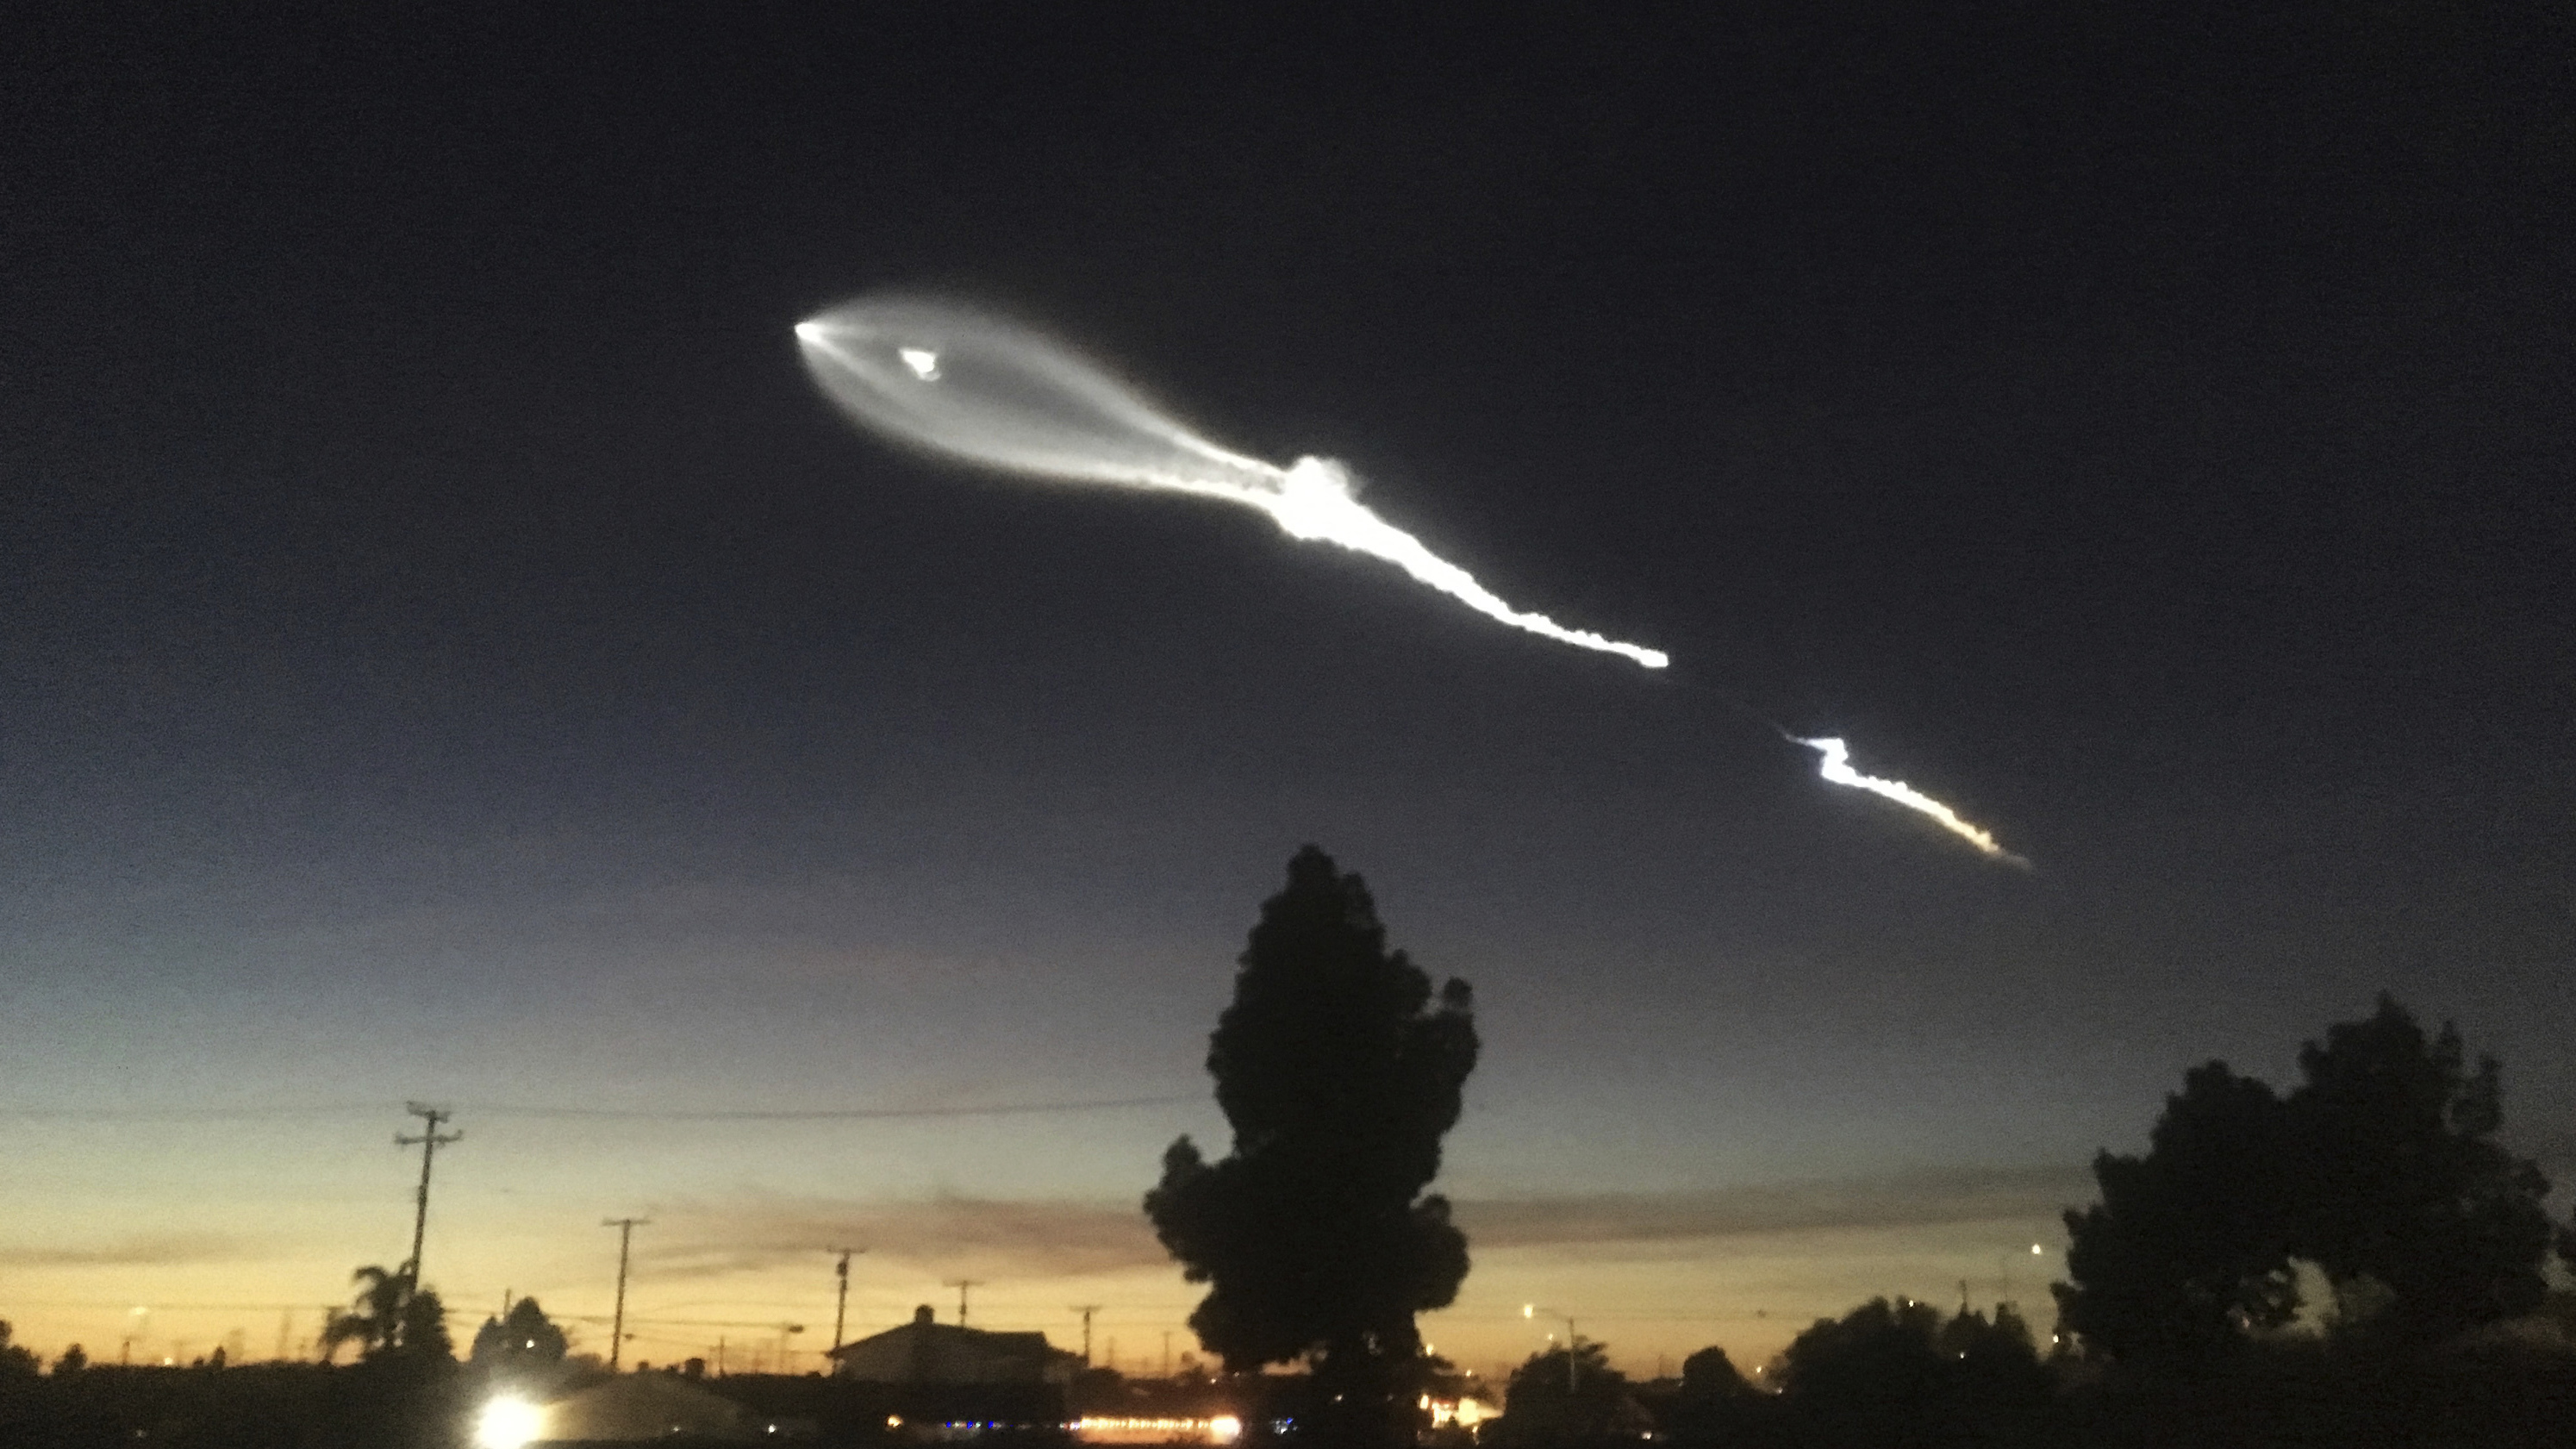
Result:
x=447 y=647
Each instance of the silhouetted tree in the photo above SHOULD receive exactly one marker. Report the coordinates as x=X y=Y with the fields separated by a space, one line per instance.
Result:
x=1995 y=1375
x=1716 y=1404
x=525 y=1338
x=424 y=1328
x=1710 y=1374
x=2379 y=1168
x=373 y=1321
x=389 y=1316
x=2402 y=1184
x=16 y=1359
x=1566 y=1398
x=1897 y=1374
x=2189 y=1245
x=1875 y=1362
x=74 y=1359
x=1339 y=1075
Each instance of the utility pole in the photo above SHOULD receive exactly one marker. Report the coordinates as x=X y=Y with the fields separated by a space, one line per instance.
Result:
x=1086 y=1310
x=429 y=1141
x=841 y=1310
x=1167 y=1353
x=625 y=1238
x=961 y=1285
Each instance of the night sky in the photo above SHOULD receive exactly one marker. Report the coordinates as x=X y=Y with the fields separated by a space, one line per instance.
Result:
x=450 y=651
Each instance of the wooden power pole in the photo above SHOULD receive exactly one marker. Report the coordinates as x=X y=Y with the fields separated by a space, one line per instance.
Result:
x=617 y=1326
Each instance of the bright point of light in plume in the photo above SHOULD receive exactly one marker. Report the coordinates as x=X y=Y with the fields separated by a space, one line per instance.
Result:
x=1836 y=766
x=974 y=387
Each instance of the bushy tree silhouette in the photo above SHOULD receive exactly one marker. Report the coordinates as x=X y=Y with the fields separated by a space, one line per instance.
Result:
x=1876 y=1362
x=1716 y=1404
x=524 y=1338
x=2189 y=1245
x=2402 y=1184
x=424 y=1328
x=2380 y=1168
x=16 y=1359
x=1339 y=1074
x=1568 y=1397
x=1897 y=1373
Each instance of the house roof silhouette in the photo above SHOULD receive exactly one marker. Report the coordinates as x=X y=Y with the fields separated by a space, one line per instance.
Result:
x=926 y=1351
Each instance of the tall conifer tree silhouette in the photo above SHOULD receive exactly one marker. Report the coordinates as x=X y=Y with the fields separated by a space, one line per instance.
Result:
x=1339 y=1073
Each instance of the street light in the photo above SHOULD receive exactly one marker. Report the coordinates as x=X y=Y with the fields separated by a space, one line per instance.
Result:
x=1573 y=1364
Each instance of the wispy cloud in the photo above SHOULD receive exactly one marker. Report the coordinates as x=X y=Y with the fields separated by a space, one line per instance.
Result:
x=152 y=1252
x=1927 y=1198
x=1022 y=1238
x=1067 y=1237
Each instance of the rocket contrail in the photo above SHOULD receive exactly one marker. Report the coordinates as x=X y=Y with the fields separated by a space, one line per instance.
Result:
x=978 y=388
x=1836 y=766
x=969 y=385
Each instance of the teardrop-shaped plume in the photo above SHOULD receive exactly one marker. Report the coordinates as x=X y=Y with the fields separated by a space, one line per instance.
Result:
x=990 y=391
x=985 y=390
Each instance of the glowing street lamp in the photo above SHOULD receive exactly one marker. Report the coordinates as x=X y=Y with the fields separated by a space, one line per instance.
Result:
x=1573 y=1364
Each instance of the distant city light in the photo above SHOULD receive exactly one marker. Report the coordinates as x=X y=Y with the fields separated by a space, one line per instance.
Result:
x=1115 y=1429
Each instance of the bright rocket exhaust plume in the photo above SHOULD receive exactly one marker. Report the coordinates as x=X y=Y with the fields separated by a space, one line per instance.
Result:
x=968 y=385
x=1836 y=766
x=974 y=387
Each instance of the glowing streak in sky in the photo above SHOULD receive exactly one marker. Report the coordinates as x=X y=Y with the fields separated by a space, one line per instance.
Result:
x=971 y=386
x=1836 y=766
x=965 y=384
